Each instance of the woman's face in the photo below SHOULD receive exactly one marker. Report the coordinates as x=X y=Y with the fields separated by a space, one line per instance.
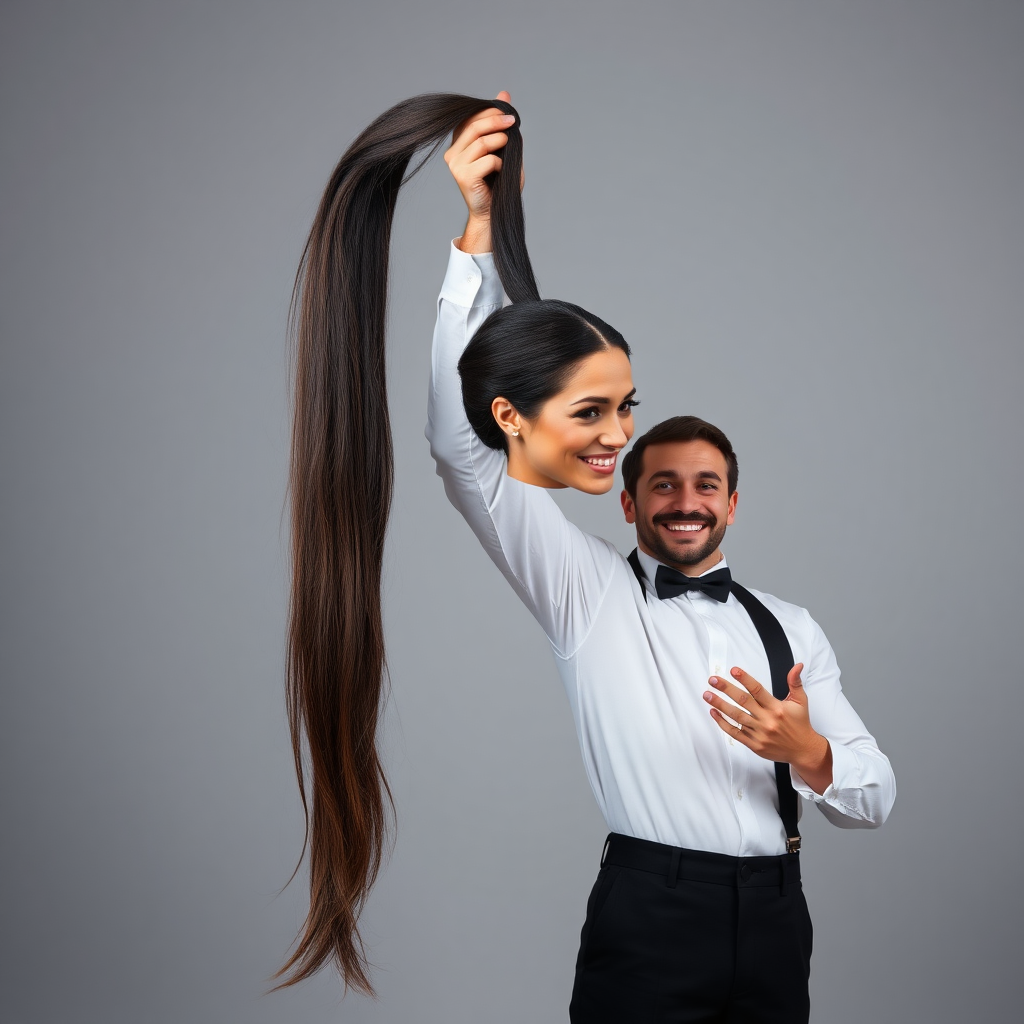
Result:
x=575 y=439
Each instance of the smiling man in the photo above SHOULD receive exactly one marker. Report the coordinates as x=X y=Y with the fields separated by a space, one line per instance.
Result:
x=697 y=913
x=699 y=916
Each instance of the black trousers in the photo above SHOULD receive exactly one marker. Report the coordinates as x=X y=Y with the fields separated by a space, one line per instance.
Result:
x=683 y=936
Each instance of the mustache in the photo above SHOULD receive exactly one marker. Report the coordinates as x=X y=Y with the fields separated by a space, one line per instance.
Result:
x=684 y=517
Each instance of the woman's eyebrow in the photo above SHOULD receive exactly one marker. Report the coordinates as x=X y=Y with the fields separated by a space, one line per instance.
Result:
x=602 y=401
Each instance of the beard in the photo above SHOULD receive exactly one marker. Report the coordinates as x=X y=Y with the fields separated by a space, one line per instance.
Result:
x=680 y=558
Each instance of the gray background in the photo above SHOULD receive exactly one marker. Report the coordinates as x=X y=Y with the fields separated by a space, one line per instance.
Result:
x=806 y=218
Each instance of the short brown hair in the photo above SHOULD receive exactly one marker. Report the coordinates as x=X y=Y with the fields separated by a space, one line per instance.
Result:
x=678 y=428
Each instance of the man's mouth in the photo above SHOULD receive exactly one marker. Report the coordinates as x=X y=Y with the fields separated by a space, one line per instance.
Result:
x=691 y=524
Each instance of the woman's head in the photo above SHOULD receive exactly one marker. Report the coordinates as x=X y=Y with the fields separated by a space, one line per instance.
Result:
x=550 y=384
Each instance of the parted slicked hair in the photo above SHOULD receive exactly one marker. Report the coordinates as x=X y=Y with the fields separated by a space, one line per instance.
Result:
x=678 y=428
x=526 y=353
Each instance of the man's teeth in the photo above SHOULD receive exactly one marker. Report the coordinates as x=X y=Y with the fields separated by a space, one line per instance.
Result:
x=596 y=460
x=685 y=527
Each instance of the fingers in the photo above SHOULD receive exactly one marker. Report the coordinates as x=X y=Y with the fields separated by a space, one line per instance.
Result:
x=738 y=696
x=745 y=726
x=762 y=695
x=480 y=149
x=728 y=728
x=471 y=171
x=735 y=711
x=794 y=680
x=722 y=707
x=471 y=158
x=491 y=123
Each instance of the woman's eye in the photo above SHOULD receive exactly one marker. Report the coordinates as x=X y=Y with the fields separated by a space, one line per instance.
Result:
x=588 y=414
x=628 y=404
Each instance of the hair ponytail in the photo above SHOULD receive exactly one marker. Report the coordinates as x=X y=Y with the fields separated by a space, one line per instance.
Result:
x=341 y=487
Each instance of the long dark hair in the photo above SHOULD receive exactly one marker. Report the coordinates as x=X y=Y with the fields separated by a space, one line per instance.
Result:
x=341 y=487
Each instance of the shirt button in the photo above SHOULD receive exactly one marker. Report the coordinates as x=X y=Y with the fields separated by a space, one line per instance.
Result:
x=739 y=794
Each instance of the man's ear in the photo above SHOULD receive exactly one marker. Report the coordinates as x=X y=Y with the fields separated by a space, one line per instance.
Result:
x=733 y=498
x=628 y=507
x=505 y=415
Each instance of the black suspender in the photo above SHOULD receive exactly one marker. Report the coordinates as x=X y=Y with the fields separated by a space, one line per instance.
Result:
x=780 y=660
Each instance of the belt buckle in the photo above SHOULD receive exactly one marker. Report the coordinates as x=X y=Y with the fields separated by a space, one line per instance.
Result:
x=793 y=844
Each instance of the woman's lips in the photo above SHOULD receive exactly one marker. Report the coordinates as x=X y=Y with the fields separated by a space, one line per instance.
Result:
x=601 y=463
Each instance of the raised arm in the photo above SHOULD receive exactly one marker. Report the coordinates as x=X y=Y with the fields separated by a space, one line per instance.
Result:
x=549 y=562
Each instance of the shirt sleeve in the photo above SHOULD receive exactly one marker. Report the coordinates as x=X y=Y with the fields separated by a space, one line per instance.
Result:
x=863 y=785
x=559 y=572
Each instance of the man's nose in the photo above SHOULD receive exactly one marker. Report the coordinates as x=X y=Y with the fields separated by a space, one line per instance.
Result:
x=689 y=500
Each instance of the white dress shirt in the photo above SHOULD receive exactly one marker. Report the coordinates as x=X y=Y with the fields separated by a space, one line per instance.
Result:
x=635 y=669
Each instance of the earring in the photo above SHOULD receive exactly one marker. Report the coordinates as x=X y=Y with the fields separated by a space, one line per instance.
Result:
x=515 y=433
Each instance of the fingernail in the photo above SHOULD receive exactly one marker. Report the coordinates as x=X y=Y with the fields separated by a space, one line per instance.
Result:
x=509 y=119
x=709 y=697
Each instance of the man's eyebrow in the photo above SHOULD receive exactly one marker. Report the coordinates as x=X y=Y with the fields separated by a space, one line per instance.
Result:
x=671 y=474
x=602 y=401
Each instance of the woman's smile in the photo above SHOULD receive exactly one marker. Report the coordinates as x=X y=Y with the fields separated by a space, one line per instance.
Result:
x=604 y=464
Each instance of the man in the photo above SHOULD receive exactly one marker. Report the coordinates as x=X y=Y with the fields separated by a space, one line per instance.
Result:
x=697 y=913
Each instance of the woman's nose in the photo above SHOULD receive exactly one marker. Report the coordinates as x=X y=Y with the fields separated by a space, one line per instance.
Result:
x=614 y=436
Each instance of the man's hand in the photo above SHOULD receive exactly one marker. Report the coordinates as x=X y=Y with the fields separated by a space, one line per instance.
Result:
x=471 y=158
x=777 y=730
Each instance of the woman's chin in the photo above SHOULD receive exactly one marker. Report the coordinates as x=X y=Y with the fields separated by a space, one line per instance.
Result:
x=595 y=485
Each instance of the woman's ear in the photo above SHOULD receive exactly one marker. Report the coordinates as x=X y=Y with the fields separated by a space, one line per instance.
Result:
x=506 y=417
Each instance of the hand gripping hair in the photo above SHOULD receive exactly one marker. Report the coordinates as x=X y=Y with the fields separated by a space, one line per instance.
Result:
x=341 y=487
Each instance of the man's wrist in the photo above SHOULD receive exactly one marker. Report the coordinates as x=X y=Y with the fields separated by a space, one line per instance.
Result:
x=815 y=767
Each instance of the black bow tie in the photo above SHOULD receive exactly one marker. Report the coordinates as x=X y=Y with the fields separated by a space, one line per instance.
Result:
x=669 y=583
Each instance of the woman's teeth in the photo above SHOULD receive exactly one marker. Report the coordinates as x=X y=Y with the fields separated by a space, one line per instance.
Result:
x=599 y=460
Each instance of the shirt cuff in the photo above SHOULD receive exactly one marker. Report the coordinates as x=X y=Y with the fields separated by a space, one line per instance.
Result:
x=844 y=763
x=471 y=279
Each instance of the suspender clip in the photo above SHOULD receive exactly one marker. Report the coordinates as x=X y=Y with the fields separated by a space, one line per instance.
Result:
x=793 y=845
